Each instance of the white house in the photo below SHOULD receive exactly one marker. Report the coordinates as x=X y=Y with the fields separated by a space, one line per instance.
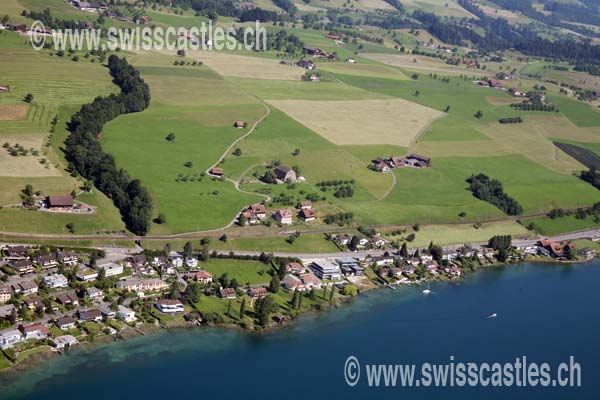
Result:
x=94 y=294
x=56 y=281
x=126 y=314
x=111 y=269
x=9 y=338
x=65 y=341
x=169 y=306
x=191 y=262
x=176 y=259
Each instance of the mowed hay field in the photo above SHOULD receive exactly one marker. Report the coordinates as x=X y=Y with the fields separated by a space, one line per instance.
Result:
x=12 y=112
x=395 y=121
x=25 y=166
x=228 y=64
x=199 y=107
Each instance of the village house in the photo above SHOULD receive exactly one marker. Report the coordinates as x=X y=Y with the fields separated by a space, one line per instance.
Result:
x=5 y=294
x=17 y=27
x=285 y=174
x=86 y=274
x=67 y=257
x=94 y=294
x=35 y=331
x=34 y=304
x=307 y=215
x=239 y=124
x=432 y=268
x=169 y=306
x=21 y=267
x=191 y=262
x=17 y=253
x=254 y=214
x=46 y=261
x=25 y=288
x=381 y=165
x=313 y=52
x=453 y=271
x=88 y=6
x=414 y=261
x=167 y=269
x=142 y=285
x=90 y=315
x=10 y=338
x=65 y=341
x=258 y=293
x=157 y=261
x=126 y=314
x=216 y=171
x=4 y=88
x=67 y=299
x=307 y=64
x=377 y=242
x=449 y=255
x=306 y=205
x=351 y=60
x=381 y=261
x=110 y=269
x=7 y=310
x=342 y=239
x=295 y=268
x=326 y=270
x=139 y=260
x=310 y=281
x=106 y=311
x=65 y=323
x=292 y=282
x=55 y=281
x=333 y=36
x=176 y=259
x=200 y=276
x=361 y=242
x=408 y=270
x=65 y=202
x=283 y=216
x=314 y=78
x=227 y=293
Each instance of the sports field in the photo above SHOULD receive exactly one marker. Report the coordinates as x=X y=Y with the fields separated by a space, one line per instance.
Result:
x=396 y=122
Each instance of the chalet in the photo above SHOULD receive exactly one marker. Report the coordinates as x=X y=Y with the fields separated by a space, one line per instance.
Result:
x=381 y=165
x=283 y=216
x=34 y=303
x=295 y=268
x=176 y=259
x=292 y=282
x=553 y=247
x=306 y=205
x=90 y=316
x=378 y=242
x=313 y=52
x=46 y=261
x=88 y=6
x=17 y=253
x=25 y=288
x=94 y=294
x=5 y=294
x=10 y=337
x=191 y=262
x=22 y=267
x=307 y=64
x=285 y=174
x=258 y=293
x=60 y=202
x=418 y=161
x=35 y=331
x=227 y=293
x=307 y=215
x=332 y=36
x=343 y=239
x=157 y=261
x=56 y=281
x=326 y=270
x=239 y=124
x=169 y=306
x=216 y=171
x=110 y=269
x=361 y=242
x=311 y=281
x=65 y=323
x=67 y=257
x=67 y=299
x=126 y=314
x=254 y=214
x=200 y=276
x=86 y=274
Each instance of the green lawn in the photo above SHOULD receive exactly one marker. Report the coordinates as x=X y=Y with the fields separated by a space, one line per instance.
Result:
x=310 y=243
x=243 y=271
x=548 y=226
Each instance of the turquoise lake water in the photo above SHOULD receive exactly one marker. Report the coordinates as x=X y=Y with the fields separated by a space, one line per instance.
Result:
x=545 y=312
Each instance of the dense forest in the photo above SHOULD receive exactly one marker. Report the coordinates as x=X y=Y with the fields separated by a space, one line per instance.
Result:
x=85 y=154
x=491 y=191
x=592 y=176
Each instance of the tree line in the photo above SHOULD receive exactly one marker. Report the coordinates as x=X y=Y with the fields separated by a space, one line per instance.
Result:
x=86 y=156
x=491 y=191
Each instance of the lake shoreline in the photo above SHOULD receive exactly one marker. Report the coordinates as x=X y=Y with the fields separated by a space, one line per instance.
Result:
x=149 y=330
